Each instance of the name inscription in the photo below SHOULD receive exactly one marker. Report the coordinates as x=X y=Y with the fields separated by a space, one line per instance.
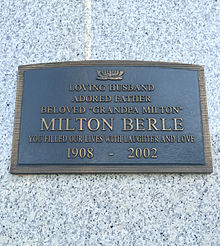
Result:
x=87 y=117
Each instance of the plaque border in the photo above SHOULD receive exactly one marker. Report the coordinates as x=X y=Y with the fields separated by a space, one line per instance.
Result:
x=64 y=169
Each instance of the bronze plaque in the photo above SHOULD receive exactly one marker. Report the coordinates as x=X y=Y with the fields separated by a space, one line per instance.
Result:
x=111 y=116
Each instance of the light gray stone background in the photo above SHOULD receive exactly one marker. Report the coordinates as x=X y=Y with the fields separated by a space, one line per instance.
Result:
x=143 y=209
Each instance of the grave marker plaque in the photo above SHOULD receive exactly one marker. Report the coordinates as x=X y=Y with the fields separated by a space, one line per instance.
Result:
x=111 y=116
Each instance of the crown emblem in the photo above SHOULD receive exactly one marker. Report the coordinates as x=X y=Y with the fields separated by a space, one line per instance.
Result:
x=109 y=74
